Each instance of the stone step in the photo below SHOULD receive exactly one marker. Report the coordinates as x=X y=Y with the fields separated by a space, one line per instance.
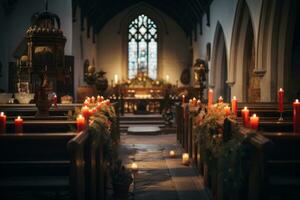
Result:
x=143 y=130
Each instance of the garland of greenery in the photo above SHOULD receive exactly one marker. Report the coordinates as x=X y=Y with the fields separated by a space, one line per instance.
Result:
x=221 y=157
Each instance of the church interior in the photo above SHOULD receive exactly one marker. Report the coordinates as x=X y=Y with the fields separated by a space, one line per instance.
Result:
x=149 y=99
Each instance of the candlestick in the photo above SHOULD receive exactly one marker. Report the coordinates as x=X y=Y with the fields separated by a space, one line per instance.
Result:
x=296 y=116
x=185 y=159
x=227 y=110
x=254 y=121
x=280 y=102
x=245 y=116
x=172 y=154
x=220 y=99
x=2 y=122
x=80 y=121
x=183 y=99
x=19 y=125
x=234 y=105
x=210 y=98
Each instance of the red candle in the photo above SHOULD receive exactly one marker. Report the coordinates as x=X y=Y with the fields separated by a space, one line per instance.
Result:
x=85 y=103
x=227 y=110
x=245 y=116
x=99 y=98
x=85 y=111
x=280 y=99
x=93 y=99
x=234 y=105
x=296 y=116
x=220 y=99
x=2 y=122
x=19 y=125
x=210 y=98
x=80 y=121
x=254 y=121
x=183 y=99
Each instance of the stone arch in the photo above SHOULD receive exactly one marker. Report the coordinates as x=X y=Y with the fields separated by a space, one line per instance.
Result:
x=239 y=60
x=133 y=12
x=275 y=43
x=219 y=69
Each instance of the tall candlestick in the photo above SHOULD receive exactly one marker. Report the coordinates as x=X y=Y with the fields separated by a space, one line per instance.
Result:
x=19 y=125
x=254 y=121
x=227 y=110
x=280 y=102
x=245 y=116
x=2 y=122
x=80 y=122
x=234 y=105
x=296 y=116
x=210 y=98
x=220 y=99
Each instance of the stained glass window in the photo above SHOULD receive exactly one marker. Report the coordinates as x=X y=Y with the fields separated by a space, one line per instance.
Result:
x=142 y=47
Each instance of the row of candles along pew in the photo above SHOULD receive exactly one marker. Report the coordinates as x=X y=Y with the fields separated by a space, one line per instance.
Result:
x=90 y=106
x=253 y=121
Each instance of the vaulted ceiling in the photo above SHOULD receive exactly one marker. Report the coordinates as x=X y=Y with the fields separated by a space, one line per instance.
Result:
x=187 y=13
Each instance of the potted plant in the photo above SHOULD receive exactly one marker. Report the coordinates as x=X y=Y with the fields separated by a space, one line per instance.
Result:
x=121 y=179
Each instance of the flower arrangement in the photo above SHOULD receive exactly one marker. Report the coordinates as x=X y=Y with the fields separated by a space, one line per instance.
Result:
x=221 y=154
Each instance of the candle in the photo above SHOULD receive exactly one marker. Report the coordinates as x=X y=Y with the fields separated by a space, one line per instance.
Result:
x=85 y=111
x=254 y=121
x=245 y=116
x=19 y=125
x=93 y=99
x=234 y=105
x=227 y=110
x=116 y=78
x=198 y=103
x=296 y=116
x=280 y=99
x=220 y=99
x=185 y=159
x=194 y=101
x=2 y=122
x=85 y=103
x=172 y=154
x=210 y=98
x=134 y=167
x=55 y=101
x=183 y=99
x=80 y=122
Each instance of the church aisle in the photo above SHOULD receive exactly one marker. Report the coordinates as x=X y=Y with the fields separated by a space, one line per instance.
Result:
x=160 y=177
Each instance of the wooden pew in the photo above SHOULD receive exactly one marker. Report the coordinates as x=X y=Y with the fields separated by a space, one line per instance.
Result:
x=42 y=162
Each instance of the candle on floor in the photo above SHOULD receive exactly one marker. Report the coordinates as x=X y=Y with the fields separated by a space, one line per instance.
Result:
x=183 y=99
x=296 y=116
x=210 y=98
x=220 y=99
x=172 y=154
x=254 y=121
x=234 y=105
x=245 y=116
x=2 y=122
x=185 y=159
x=134 y=167
x=19 y=125
x=227 y=110
x=80 y=121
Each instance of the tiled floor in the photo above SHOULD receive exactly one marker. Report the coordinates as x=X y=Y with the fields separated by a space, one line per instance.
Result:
x=160 y=177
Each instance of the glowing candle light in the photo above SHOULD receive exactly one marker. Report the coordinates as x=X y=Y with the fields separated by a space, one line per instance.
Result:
x=227 y=110
x=234 y=105
x=185 y=159
x=210 y=98
x=19 y=125
x=198 y=102
x=220 y=99
x=254 y=121
x=296 y=116
x=245 y=116
x=116 y=78
x=172 y=154
x=85 y=111
x=2 y=122
x=183 y=99
x=134 y=167
x=167 y=78
x=80 y=122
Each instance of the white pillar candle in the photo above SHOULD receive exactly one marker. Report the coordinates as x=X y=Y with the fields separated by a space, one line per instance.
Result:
x=172 y=154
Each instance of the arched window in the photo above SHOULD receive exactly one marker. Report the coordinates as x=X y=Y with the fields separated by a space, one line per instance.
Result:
x=142 y=47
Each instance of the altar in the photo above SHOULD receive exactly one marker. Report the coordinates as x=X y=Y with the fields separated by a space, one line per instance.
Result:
x=142 y=95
